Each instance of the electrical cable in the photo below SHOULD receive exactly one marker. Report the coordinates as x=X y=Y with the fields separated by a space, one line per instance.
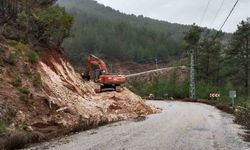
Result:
x=231 y=11
x=217 y=13
x=205 y=12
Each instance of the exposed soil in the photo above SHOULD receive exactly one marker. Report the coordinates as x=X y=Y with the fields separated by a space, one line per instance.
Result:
x=63 y=103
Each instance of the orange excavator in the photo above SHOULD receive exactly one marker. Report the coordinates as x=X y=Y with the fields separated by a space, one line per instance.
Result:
x=104 y=78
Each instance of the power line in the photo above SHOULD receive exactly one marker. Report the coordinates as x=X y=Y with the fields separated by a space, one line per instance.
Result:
x=229 y=14
x=205 y=11
x=217 y=13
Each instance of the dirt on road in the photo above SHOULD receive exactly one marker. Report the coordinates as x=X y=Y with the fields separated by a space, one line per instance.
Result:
x=180 y=126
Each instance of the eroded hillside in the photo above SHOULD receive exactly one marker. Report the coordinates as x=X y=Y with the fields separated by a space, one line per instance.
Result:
x=42 y=98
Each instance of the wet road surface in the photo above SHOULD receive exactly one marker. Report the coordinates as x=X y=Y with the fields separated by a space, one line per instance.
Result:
x=180 y=126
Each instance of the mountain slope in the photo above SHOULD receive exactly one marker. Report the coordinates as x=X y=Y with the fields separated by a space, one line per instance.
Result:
x=116 y=36
x=107 y=13
x=119 y=37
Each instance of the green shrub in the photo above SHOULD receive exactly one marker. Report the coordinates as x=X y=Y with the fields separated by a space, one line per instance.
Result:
x=243 y=101
x=2 y=126
x=204 y=89
x=32 y=56
x=22 y=47
x=28 y=74
x=25 y=99
x=17 y=82
x=55 y=22
x=11 y=42
x=164 y=88
x=12 y=59
x=36 y=80
x=24 y=90
x=25 y=96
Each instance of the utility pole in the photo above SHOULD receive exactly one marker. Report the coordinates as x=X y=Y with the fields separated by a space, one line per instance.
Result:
x=192 y=75
x=156 y=63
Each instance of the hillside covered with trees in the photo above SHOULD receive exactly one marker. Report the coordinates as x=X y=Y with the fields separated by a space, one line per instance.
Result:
x=116 y=36
x=219 y=67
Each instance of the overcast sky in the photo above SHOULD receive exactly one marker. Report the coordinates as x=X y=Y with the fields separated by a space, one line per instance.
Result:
x=186 y=11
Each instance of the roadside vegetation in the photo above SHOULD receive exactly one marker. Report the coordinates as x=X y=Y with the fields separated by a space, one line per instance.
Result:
x=164 y=88
x=219 y=66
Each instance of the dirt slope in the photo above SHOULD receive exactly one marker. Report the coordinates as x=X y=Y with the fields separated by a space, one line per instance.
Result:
x=63 y=102
x=66 y=89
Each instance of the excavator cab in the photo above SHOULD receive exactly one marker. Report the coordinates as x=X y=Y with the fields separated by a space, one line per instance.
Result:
x=96 y=70
x=96 y=74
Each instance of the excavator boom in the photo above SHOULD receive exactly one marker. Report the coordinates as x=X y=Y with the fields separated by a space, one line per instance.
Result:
x=93 y=60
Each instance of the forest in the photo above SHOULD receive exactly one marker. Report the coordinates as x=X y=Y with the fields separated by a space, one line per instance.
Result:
x=34 y=22
x=113 y=35
x=219 y=67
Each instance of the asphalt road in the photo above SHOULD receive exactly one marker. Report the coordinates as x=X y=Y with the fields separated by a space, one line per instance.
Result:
x=180 y=126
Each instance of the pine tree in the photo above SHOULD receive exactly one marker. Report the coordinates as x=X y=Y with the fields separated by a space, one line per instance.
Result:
x=239 y=55
x=209 y=60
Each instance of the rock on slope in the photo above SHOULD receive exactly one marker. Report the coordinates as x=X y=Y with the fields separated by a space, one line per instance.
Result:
x=64 y=102
x=69 y=93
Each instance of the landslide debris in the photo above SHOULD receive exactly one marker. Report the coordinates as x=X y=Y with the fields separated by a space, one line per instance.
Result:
x=43 y=97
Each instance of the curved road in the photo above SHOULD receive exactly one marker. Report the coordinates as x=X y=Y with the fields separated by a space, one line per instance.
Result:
x=180 y=126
